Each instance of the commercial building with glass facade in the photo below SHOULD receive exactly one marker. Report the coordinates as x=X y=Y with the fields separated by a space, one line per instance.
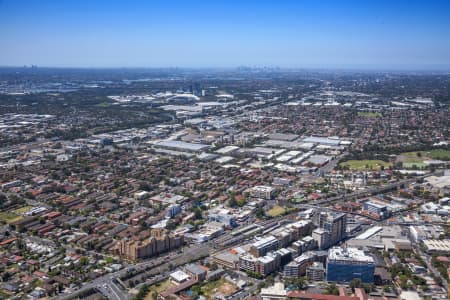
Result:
x=346 y=264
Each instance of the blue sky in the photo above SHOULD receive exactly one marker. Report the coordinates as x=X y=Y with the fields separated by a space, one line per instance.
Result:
x=225 y=33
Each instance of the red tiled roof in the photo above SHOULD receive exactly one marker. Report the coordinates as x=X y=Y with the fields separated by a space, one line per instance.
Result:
x=8 y=241
x=442 y=259
x=39 y=274
x=18 y=258
x=52 y=214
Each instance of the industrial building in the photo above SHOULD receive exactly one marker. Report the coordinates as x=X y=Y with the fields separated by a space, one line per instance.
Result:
x=181 y=146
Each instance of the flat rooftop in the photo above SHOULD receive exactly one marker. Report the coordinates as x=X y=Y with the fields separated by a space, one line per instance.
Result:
x=182 y=145
x=265 y=241
x=368 y=233
x=437 y=245
x=322 y=140
x=349 y=254
x=283 y=136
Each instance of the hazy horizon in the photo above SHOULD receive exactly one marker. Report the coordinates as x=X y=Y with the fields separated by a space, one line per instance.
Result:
x=347 y=68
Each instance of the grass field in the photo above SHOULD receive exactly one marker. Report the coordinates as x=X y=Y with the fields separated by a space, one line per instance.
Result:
x=7 y=217
x=440 y=154
x=369 y=114
x=365 y=164
x=219 y=286
x=409 y=158
x=158 y=288
x=23 y=210
x=103 y=104
x=276 y=211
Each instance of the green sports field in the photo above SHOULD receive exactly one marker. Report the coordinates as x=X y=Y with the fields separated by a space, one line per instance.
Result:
x=365 y=164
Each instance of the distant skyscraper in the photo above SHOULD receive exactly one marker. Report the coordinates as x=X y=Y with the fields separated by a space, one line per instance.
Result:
x=197 y=89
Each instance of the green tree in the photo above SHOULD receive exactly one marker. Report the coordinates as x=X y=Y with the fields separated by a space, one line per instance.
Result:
x=297 y=283
x=355 y=283
x=232 y=200
x=83 y=260
x=197 y=213
x=332 y=289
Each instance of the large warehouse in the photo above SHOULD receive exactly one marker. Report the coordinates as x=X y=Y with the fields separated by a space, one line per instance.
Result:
x=182 y=146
